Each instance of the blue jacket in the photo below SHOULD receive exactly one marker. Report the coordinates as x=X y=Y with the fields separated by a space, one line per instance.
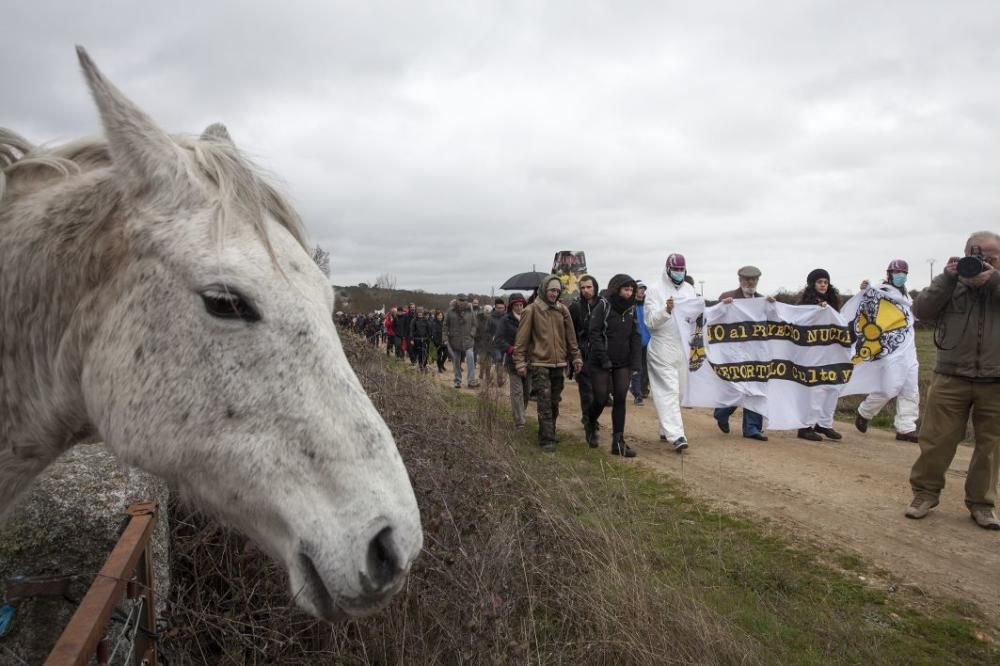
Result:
x=643 y=331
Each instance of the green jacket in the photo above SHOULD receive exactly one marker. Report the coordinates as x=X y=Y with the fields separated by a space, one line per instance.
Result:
x=968 y=325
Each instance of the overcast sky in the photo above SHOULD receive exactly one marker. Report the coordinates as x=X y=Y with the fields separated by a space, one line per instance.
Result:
x=453 y=144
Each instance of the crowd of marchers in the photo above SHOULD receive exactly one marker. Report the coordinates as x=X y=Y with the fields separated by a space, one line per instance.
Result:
x=619 y=342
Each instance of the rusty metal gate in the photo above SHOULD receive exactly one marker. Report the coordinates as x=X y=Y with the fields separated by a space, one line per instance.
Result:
x=125 y=580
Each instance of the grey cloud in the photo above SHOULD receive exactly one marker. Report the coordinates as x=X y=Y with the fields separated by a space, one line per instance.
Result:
x=454 y=145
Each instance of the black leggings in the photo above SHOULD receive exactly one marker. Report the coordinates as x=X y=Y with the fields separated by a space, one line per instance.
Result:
x=615 y=380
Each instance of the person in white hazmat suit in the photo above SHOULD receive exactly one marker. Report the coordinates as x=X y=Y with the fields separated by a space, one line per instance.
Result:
x=665 y=353
x=908 y=399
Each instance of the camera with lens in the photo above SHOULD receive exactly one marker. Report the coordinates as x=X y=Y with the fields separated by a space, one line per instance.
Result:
x=973 y=264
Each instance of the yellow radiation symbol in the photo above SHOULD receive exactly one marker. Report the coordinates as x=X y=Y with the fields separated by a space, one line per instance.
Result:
x=697 y=356
x=875 y=337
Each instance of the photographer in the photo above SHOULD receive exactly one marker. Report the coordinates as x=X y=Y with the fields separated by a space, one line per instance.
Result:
x=965 y=302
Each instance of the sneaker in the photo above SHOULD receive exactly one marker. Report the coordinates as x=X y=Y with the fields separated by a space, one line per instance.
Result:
x=759 y=436
x=474 y=385
x=638 y=401
x=985 y=517
x=810 y=434
x=663 y=438
x=829 y=432
x=723 y=426
x=921 y=506
x=908 y=437
x=458 y=386
x=680 y=444
x=518 y=425
x=549 y=447
x=861 y=423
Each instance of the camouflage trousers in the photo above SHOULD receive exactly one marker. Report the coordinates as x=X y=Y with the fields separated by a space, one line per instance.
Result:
x=547 y=384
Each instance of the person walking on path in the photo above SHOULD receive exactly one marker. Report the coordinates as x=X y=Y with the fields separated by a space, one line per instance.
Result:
x=545 y=344
x=820 y=292
x=520 y=387
x=640 y=382
x=665 y=351
x=965 y=302
x=580 y=310
x=615 y=357
x=495 y=347
x=459 y=332
x=753 y=423
x=437 y=337
x=420 y=337
x=908 y=397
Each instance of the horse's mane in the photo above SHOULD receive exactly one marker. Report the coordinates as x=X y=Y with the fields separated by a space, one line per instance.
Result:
x=240 y=184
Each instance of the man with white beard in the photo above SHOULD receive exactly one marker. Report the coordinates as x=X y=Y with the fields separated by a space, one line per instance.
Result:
x=665 y=352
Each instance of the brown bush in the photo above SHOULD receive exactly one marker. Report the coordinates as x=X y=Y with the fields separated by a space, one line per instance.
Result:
x=520 y=565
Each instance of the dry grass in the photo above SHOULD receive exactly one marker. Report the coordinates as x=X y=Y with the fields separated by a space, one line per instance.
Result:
x=520 y=565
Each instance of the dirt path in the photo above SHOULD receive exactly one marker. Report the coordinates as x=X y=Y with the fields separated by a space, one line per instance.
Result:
x=847 y=495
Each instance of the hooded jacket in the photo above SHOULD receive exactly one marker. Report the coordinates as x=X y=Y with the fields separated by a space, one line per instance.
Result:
x=506 y=337
x=459 y=327
x=546 y=337
x=614 y=334
x=580 y=311
x=493 y=323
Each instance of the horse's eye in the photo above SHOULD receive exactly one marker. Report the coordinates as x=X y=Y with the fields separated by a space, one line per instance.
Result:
x=229 y=304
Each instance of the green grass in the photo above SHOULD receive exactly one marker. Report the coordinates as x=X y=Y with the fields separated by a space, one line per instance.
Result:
x=787 y=598
x=802 y=606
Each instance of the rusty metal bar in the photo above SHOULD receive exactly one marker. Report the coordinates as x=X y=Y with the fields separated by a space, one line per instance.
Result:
x=78 y=642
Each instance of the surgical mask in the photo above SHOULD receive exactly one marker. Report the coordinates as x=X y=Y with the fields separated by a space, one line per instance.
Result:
x=898 y=279
x=676 y=276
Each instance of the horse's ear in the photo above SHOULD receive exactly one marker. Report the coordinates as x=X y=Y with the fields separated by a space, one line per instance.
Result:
x=216 y=132
x=140 y=151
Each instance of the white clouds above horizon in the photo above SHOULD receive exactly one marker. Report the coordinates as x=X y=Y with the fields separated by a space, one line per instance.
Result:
x=453 y=144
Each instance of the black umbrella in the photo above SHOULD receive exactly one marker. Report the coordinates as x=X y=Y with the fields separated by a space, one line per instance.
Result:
x=524 y=281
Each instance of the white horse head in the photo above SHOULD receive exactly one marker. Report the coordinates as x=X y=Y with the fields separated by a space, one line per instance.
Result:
x=157 y=294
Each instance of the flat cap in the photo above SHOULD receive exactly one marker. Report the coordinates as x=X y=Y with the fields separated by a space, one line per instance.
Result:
x=748 y=272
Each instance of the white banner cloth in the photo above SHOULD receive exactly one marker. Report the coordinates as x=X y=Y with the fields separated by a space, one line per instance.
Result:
x=786 y=362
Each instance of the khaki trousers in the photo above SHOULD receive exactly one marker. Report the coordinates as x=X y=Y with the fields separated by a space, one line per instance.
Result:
x=949 y=403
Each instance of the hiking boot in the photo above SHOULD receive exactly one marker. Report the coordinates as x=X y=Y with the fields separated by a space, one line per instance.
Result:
x=861 y=423
x=620 y=448
x=908 y=437
x=810 y=434
x=985 y=517
x=829 y=432
x=921 y=506
x=680 y=444
x=723 y=426
x=591 y=434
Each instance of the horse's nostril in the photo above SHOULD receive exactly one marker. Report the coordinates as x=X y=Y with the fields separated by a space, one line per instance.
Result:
x=383 y=562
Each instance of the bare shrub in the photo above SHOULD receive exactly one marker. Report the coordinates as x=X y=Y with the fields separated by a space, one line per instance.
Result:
x=522 y=563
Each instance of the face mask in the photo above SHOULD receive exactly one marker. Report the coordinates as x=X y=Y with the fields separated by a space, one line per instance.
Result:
x=898 y=279
x=677 y=276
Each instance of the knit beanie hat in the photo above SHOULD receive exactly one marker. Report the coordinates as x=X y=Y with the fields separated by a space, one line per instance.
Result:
x=816 y=274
